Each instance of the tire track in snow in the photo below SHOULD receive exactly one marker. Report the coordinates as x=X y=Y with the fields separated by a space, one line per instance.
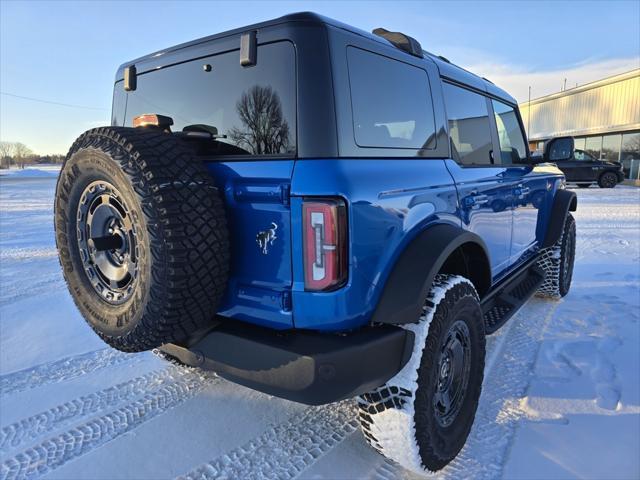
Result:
x=486 y=449
x=82 y=439
x=15 y=435
x=284 y=451
x=61 y=370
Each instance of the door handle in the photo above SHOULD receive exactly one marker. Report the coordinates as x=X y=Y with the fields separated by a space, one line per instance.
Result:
x=474 y=199
x=480 y=199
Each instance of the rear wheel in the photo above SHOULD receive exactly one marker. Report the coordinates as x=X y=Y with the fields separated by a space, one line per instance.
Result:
x=421 y=418
x=608 y=180
x=142 y=237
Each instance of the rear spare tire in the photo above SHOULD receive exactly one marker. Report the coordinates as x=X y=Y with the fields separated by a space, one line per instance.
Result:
x=141 y=235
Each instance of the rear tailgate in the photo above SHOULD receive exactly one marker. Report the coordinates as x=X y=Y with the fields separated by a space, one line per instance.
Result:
x=256 y=195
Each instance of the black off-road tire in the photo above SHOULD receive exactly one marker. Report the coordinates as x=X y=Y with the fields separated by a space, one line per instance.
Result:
x=402 y=419
x=175 y=231
x=608 y=180
x=557 y=262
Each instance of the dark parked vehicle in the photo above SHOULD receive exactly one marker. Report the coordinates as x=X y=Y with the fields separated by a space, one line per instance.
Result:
x=585 y=170
x=318 y=213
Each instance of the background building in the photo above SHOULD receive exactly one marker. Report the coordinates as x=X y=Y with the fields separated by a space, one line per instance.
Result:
x=603 y=117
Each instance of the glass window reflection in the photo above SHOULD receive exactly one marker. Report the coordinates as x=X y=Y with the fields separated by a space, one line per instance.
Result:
x=512 y=149
x=611 y=147
x=593 y=146
x=251 y=110
x=630 y=155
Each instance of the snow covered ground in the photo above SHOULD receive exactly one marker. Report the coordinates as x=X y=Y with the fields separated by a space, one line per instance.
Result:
x=561 y=397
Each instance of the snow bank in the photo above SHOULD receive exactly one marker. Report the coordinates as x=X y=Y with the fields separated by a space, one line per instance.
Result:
x=41 y=171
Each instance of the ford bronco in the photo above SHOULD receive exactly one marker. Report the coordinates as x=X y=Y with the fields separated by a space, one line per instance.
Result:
x=318 y=213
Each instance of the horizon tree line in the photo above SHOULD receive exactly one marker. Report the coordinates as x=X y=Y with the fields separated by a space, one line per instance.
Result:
x=20 y=155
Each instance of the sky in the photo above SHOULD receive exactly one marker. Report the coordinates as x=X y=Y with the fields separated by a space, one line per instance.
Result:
x=68 y=52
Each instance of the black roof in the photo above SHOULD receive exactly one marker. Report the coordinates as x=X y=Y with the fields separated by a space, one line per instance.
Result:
x=447 y=69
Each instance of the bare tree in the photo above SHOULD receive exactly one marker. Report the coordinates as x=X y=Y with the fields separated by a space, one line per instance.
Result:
x=6 y=152
x=21 y=152
x=265 y=128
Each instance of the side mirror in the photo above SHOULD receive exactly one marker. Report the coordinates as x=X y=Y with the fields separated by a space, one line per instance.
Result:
x=557 y=149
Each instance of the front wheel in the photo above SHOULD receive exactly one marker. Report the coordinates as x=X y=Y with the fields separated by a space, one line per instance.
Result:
x=608 y=180
x=421 y=417
x=557 y=262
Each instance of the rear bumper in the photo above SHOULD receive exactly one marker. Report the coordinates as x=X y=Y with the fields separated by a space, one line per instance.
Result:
x=306 y=367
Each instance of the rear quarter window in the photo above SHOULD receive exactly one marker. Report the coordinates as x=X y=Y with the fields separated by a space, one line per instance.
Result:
x=252 y=109
x=391 y=102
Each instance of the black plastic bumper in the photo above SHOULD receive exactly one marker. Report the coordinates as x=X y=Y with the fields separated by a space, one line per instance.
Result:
x=306 y=367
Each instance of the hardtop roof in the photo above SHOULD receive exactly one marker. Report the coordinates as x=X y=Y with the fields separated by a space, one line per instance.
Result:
x=447 y=69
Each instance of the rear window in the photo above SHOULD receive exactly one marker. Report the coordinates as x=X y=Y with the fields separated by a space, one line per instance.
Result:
x=391 y=102
x=252 y=109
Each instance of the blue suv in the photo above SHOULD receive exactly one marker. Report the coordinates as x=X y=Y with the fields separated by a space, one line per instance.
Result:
x=319 y=213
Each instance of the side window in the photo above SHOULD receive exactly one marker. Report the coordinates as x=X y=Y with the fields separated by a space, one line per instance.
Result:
x=582 y=156
x=512 y=148
x=391 y=102
x=469 y=127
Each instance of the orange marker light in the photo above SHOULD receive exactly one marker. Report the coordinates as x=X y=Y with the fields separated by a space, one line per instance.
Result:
x=152 y=120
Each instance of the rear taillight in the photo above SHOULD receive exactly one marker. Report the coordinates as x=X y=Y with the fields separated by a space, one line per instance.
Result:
x=325 y=243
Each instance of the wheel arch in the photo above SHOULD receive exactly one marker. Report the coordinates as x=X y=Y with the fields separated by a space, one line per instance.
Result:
x=564 y=202
x=437 y=249
x=608 y=170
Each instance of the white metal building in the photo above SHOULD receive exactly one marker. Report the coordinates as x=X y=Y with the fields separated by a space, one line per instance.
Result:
x=603 y=117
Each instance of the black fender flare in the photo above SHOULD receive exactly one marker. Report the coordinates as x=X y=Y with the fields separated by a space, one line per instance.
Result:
x=409 y=282
x=564 y=202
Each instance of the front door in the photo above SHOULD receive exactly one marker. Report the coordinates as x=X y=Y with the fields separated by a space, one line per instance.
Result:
x=583 y=167
x=570 y=168
x=531 y=185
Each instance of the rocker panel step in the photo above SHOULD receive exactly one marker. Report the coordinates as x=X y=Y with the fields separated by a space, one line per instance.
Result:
x=503 y=302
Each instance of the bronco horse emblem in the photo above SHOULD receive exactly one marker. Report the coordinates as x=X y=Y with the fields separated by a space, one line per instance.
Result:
x=266 y=238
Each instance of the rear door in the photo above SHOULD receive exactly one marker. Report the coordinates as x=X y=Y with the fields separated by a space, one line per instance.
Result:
x=485 y=190
x=531 y=184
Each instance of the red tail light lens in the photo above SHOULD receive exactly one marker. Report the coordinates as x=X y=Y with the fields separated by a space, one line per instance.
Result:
x=325 y=243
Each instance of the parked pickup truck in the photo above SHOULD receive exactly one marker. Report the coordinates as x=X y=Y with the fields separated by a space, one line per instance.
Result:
x=585 y=170
x=319 y=213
